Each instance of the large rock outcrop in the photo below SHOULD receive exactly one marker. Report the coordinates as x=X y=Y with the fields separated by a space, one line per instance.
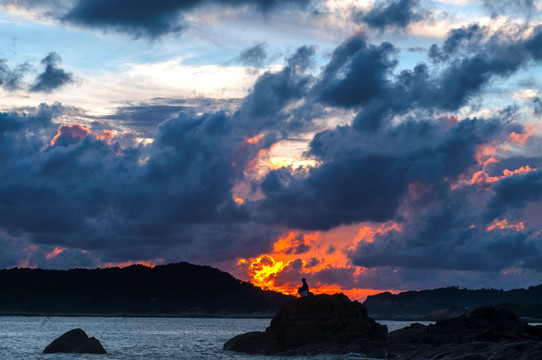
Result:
x=75 y=341
x=316 y=324
x=484 y=334
x=334 y=324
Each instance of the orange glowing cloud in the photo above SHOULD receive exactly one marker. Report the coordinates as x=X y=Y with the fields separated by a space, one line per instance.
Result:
x=503 y=225
x=55 y=252
x=106 y=135
x=479 y=178
x=74 y=133
x=368 y=233
x=485 y=155
x=254 y=140
x=150 y=264
x=521 y=170
x=297 y=255
x=294 y=243
x=521 y=139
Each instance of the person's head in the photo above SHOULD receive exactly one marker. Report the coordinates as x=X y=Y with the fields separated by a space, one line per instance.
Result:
x=303 y=280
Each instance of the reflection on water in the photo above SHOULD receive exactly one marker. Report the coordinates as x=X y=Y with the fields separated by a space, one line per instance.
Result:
x=24 y=338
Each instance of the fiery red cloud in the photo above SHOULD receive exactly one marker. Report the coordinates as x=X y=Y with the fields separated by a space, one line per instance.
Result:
x=296 y=255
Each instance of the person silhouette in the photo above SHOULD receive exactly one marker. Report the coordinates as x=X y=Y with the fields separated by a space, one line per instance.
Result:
x=304 y=289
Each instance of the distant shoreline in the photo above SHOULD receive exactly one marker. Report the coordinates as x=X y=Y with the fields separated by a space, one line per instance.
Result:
x=129 y=315
x=268 y=316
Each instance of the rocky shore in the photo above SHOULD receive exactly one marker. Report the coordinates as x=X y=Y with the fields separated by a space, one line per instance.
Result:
x=333 y=324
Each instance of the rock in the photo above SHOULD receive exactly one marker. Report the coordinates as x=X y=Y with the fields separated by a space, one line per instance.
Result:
x=485 y=333
x=75 y=341
x=317 y=324
x=251 y=342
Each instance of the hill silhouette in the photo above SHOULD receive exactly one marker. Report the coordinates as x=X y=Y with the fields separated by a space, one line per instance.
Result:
x=176 y=289
x=439 y=303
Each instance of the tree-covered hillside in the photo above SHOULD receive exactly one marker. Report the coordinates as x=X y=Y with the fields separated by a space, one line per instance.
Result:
x=412 y=304
x=181 y=288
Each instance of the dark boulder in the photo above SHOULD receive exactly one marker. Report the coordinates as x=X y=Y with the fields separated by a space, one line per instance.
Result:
x=251 y=342
x=75 y=341
x=485 y=333
x=317 y=324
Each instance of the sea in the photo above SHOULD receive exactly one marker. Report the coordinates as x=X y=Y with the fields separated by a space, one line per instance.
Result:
x=140 y=338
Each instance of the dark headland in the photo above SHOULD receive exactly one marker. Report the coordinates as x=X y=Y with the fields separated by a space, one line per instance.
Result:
x=452 y=301
x=180 y=289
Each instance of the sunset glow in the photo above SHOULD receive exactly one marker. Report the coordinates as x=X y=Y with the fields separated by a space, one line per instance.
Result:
x=503 y=224
x=367 y=146
x=55 y=252
x=298 y=255
x=74 y=133
x=123 y=264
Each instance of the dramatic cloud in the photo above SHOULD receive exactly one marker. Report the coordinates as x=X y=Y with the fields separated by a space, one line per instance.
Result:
x=516 y=193
x=151 y=19
x=357 y=73
x=52 y=77
x=343 y=165
x=392 y=14
x=253 y=56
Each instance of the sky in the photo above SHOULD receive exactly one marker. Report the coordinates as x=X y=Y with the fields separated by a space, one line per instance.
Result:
x=369 y=146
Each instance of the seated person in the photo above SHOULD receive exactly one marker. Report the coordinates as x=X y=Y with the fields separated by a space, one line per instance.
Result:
x=304 y=289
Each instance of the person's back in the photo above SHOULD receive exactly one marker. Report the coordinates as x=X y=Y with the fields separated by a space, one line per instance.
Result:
x=304 y=289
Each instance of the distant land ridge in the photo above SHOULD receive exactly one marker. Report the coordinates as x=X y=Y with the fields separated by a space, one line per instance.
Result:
x=444 y=302
x=176 y=289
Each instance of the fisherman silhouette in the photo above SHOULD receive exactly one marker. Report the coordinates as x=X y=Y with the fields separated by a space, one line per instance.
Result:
x=304 y=289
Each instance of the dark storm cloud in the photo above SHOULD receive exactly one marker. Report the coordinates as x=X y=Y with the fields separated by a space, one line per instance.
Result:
x=515 y=193
x=52 y=77
x=392 y=14
x=359 y=75
x=455 y=38
x=253 y=56
x=374 y=177
x=357 y=72
x=87 y=193
x=170 y=199
x=446 y=239
x=173 y=199
x=262 y=108
x=372 y=172
x=151 y=19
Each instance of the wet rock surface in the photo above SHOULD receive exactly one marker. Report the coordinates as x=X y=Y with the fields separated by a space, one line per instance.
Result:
x=75 y=341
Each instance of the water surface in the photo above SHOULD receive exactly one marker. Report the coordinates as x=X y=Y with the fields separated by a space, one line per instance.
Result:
x=124 y=338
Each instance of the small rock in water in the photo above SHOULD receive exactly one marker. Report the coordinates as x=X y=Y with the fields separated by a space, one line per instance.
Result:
x=75 y=341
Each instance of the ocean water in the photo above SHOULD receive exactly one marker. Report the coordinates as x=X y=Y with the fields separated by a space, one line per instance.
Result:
x=124 y=338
